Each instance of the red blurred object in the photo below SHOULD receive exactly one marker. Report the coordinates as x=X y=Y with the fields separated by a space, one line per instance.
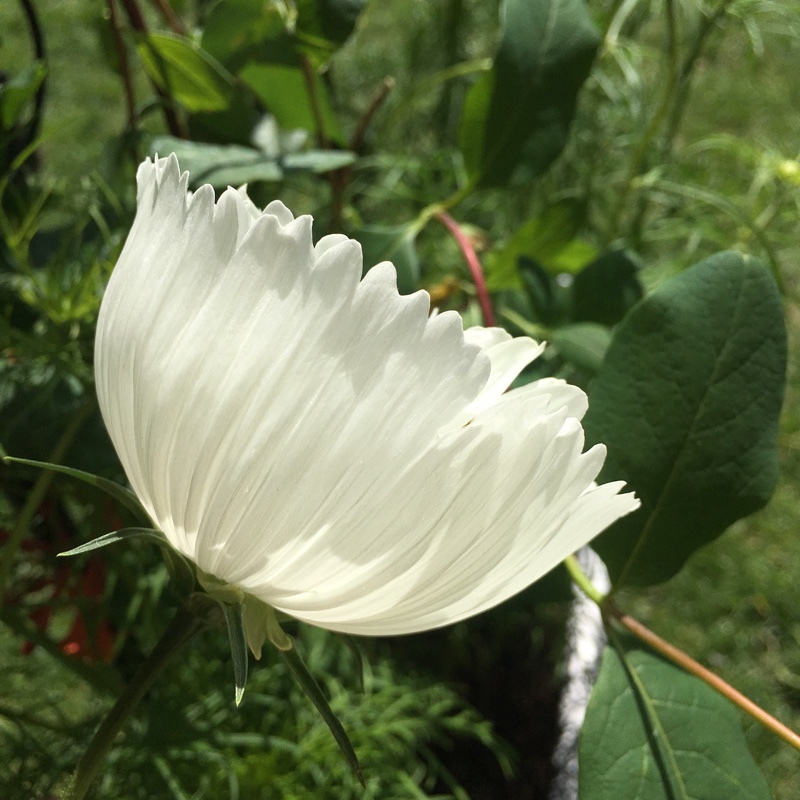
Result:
x=91 y=636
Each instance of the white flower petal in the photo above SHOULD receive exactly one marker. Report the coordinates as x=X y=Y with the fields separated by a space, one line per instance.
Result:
x=302 y=433
x=508 y=358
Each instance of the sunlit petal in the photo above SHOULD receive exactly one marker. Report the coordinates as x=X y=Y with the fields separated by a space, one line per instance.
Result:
x=319 y=440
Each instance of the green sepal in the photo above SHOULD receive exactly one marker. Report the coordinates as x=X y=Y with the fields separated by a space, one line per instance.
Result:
x=122 y=495
x=312 y=689
x=117 y=536
x=255 y=617
x=234 y=619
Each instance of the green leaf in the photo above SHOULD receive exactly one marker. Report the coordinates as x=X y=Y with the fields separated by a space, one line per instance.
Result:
x=583 y=344
x=549 y=238
x=234 y=619
x=219 y=164
x=393 y=243
x=224 y=165
x=540 y=288
x=317 y=697
x=235 y=30
x=186 y=72
x=284 y=92
x=18 y=90
x=117 y=536
x=606 y=289
x=520 y=111
x=123 y=496
x=238 y=31
x=687 y=402
x=317 y=161
x=654 y=732
x=324 y=25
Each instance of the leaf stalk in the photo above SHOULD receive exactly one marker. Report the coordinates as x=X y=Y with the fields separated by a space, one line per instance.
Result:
x=677 y=656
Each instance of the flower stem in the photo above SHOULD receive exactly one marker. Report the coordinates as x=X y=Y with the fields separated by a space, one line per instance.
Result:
x=473 y=263
x=679 y=657
x=182 y=628
x=124 y=65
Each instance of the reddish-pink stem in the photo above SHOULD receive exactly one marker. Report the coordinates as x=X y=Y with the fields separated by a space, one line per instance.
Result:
x=474 y=265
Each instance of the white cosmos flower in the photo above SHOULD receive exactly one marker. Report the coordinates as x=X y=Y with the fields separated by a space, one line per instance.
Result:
x=315 y=438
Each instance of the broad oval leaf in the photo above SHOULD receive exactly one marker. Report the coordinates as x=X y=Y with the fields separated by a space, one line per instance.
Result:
x=687 y=402
x=520 y=111
x=654 y=732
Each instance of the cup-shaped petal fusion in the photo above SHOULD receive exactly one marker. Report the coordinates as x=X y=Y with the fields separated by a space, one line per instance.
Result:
x=319 y=440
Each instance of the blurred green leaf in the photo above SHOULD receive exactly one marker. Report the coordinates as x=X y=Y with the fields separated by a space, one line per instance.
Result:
x=240 y=31
x=318 y=161
x=687 y=402
x=393 y=243
x=520 y=111
x=219 y=164
x=284 y=92
x=235 y=30
x=583 y=344
x=18 y=91
x=604 y=290
x=540 y=288
x=674 y=737
x=324 y=25
x=550 y=238
x=224 y=165
x=186 y=72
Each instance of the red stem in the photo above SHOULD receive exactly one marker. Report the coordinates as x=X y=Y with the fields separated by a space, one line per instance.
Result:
x=473 y=263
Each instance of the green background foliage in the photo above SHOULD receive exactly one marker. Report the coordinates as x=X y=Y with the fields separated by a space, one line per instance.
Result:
x=595 y=154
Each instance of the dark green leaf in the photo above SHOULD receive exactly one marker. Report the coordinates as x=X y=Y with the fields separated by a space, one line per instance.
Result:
x=236 y=30
x=391 y=243
x=604 y=290
x=540 y=289
x=583 y=344
x=520 y=111
x=324 y=25
x=123 y=496
x=234 y=619
x=654 y=732
x=317 y=697
x=186 y=72
x=117 y=536
x=687 y=402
